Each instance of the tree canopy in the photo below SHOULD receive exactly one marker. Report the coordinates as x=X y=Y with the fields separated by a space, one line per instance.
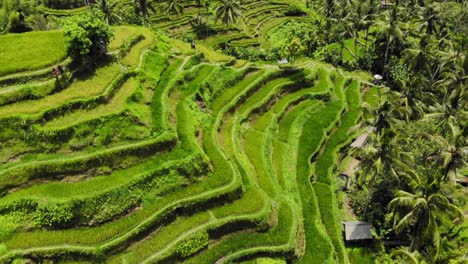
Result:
x=87 y=34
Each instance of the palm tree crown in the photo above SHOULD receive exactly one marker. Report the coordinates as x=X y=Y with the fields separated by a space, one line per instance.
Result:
x=228 y=11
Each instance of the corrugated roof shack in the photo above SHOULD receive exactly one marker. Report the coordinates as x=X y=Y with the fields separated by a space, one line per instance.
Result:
x=356 y=232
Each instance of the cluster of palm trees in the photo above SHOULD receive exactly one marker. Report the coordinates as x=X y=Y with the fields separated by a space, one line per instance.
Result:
x=226 y=11
x=418 y=146
x=408 y=171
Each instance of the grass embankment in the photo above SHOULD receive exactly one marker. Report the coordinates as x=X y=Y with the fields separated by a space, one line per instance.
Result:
x=31 y=51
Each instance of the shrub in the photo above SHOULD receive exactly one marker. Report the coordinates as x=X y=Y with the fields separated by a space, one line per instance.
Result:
x=193 y=244
x=55 y=216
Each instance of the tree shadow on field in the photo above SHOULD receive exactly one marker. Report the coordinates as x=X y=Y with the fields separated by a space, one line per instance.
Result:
x=88 y=68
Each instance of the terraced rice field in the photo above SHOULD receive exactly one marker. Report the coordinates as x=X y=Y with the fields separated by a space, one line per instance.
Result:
x=173 y=155
x=258 y=18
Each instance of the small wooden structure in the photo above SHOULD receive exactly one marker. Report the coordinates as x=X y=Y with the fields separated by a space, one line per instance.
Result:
x=360 y=141
x=356 y=231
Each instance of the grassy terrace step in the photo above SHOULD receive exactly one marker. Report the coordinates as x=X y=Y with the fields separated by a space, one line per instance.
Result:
x=340 y=136
x=227 y=182
x=121 y=35
x=319 y=248
x=84 y=91
x=285 y=164
x=186 y=123
x=37 y=75
x=248 y=106
x=64 y=191
x=19 y=174
x=159 y=108
x=117 y=200
x=34 y=90
x=134 y=57
x=214 y=223
x=115 y=106
x=244 y=245
x=253 y=144
x=64 y=12
x=80 y=89
x=326 y=184
x=31 y=51
x=250 y=90
x=264 y=9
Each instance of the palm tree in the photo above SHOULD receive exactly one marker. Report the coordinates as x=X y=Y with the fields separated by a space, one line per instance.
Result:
x=391 y=31
x=108 y=10
x=451 y=114
x=228 y=11
x=142 y=7
x=452 y=153
x=384 y=114
x=421 y=208
x=431 y=18
x=453 y=71
x=174 y=7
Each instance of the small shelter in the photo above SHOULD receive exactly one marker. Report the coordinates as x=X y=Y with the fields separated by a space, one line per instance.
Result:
x=360 y=141
x=357 y=231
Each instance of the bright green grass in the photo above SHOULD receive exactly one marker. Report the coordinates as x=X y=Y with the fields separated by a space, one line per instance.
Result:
x=162 y=238
x=121 y=35
x=278 y=235
x=318 y=245
x=105 y=232
x=79 y=89
x=372 y=96
x=115 y=106
x=64 y=12
x=133 y=58
x=63 y=191
x=30 y=51
x=340 y=136
x=327 y=203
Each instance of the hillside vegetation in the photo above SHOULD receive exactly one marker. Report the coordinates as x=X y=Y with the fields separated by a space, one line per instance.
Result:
x=182 y=131
x=184 y=156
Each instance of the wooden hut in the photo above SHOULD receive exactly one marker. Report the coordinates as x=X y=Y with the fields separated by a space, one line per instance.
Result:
x=356 y=231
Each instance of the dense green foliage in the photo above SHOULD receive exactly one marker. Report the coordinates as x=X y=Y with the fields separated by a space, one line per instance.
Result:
x=148 y=146
x=87 y=35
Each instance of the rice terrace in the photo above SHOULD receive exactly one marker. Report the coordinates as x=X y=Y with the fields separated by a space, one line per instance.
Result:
x=233 y=131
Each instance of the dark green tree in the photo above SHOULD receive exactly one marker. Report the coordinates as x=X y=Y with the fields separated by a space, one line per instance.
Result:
x=87 y=35
x=421 y=209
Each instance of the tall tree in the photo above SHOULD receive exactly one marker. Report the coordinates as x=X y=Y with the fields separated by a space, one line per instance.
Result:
x=228 y=11
x=143 y=7
x=452 y=153
x=391 y=32
x=421 y=208
x=108 y=10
